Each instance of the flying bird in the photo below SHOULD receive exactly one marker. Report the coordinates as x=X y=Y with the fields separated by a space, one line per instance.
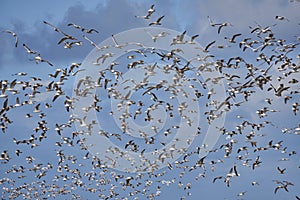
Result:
x=93 y=43
x=157 y=22
x=151 y=10
x=191 y=41
x=281 y=171
x=219 y=25
x=282 y=185
x=69 y=45
x=38 y=59
x=281 y=18
x=66 y=36
x=28 y=50
x=209 y=45
x=74 y=25
x=115 y=42
x=232 y=39
x=89 y=31
x=178 y=39
x=155 y=37
x=14 y=35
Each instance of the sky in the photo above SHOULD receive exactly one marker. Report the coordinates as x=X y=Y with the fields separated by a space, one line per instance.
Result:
x=113 y=17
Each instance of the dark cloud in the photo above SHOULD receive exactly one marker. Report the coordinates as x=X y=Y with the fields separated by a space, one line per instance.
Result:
x=116 y=16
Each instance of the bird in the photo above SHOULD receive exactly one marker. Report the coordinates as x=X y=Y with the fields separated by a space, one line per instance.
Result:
x=39 y=59
x=242 y=193
x=178 y=39
x=155 y=37
x=54 y=27
x=17 y=102
x=281 y=171
x=89 y=31
x=66 y=36
x=5 y=156
x=14 y=35
x=57 y=94
x=282 y=185
x=232 y=39
x=18 y=152
x=281 y=18
x=94 y=44
x=209 y=45
x=115 y=42
x=69 y=45
x=260 y=30
x=253 y=183
x=151 y=10
x=191 y=41
x=74 y=25
x=280 y=89
x=256 y=163
x=103 y=57
x=20 y=74
x=217 y=178
x=37 y=108
x=73 y=66
x=157 y=22
x=223 y=25
x=28 y=50
x=128 y=179
x=219 y=25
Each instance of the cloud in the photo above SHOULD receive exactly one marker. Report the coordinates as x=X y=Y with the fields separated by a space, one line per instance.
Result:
x=115 y=16
x=109 y=19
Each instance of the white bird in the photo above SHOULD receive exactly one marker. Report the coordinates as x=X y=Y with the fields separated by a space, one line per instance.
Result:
x=37 y=108
x=103 y=57
x=39 y=59
x=14 y=35
x=66 y=36
x=220 y=25
x=28 y=50
x=116 y=43
x=155 y=37
x=94 y=44
x=69 y=45
x=281 y=18
x=178 y=39
x=191 y=41
x=83 y=29
x=150 y=11
x=157 y=22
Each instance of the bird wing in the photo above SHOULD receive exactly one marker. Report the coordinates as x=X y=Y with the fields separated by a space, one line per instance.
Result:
x=46 y=61
x=235 y=35
x=235 y=170
x=159 y=19
x=26 y=47
x=206 y=48
x=275 y=191
x=182 y=36
x=219 y=29
x=193 y=37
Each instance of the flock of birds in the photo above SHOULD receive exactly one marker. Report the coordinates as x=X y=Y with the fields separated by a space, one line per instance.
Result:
x=244 y=77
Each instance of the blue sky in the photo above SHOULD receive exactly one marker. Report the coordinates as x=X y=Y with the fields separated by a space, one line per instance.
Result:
x=25 y=18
